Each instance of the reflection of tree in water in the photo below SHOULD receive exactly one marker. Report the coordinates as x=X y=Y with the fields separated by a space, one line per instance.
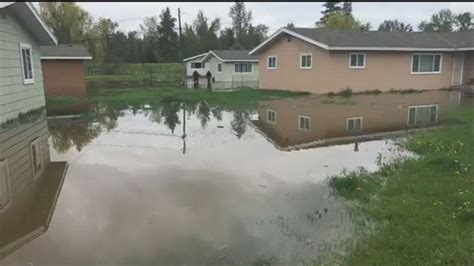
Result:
x=239 y=124
x=79 y=133
x=204 y=112
x=169 y=113
x=70 y=134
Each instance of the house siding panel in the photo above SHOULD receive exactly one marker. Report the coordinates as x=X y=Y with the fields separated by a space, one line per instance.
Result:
x=330 y=70
x=468 y=71
x=11 y=82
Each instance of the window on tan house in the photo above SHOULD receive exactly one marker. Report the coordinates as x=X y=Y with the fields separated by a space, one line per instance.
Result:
x=426 y=63
x=272 y=62
x=422 y=114
x=354 y=124
x=357 y=60
x=304 y=122
x=219 y=67
x=306 y=61
x=5 y=193
x=271 y=116
x=26 y=57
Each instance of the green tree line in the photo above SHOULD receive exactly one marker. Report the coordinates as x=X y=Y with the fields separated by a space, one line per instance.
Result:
x=158 y=39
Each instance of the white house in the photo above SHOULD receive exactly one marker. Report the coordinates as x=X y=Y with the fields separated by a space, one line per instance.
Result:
x=228 y=68
x=21 y=80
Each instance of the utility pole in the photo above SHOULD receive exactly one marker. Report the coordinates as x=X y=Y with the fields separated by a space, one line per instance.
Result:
x=180 y=34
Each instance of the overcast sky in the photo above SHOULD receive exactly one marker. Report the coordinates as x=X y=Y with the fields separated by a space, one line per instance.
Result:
x=274 y=15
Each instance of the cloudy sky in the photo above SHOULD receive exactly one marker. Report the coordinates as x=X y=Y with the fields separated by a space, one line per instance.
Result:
x=275 y=15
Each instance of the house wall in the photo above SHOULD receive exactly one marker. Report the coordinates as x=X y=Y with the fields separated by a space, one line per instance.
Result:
x=380 y=113
x=15 y=147
x=330 y=70
x=16 y=97
x=190 y=71
x=468 y=71
x=64 y=78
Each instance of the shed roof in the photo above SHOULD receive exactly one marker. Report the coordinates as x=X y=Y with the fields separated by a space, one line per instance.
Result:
x=77 y=52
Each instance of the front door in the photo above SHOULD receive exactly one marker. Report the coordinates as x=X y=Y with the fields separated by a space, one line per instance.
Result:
x=457 y=68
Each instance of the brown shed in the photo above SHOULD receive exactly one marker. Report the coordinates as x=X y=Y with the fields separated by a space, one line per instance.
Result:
x=64 y=70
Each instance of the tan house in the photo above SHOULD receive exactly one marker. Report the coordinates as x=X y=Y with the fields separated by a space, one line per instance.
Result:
x=324 y=60
x=64 y=70
x=316 y=120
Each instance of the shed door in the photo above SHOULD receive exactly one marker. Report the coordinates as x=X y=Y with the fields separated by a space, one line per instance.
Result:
x=457 y=68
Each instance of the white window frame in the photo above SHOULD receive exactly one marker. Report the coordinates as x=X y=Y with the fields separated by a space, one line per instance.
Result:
x=219 y=64
x=309 y=124
x=202 y=63
x=419 y=62
x=354 y=118
x=420 y=106
x=32 y=79
x=301 y=60
x=271 y=111
x=4 y=167
x=244 y=73
x=268 y=62
x=357 y=54
x=36 y=142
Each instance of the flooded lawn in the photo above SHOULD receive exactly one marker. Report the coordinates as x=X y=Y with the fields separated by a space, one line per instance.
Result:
x=185 y=184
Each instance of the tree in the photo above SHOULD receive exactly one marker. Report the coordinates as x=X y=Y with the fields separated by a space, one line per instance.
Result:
x=189 y=39
x=330 y=7
x=226 y=38
x=149 y=28
x=241 y=19
x=443 y=21
x=395 y=25
x=338 y=20
x=69 y=22
x=347 y=8
x=167 y=38
x=101 y=33
x=290 y=25
x=206 y=33
x=255 y=35
x=464 y=21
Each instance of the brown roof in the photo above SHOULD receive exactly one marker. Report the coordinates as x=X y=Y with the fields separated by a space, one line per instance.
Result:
x=65 y=52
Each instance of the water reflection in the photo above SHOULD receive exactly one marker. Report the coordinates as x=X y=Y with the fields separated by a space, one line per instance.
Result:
x=132 y=198
x=29 y=184
x=316 y=121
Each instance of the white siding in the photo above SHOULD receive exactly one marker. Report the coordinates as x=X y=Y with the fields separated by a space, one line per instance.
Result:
x=15 y=146
x=15 y=97
x=190 y=71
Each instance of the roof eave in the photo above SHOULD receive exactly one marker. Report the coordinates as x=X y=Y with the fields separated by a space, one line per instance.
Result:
x=42 y=23
x=194 y=57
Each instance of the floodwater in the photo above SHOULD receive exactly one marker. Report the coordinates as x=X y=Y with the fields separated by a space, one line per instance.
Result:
x=191 y=184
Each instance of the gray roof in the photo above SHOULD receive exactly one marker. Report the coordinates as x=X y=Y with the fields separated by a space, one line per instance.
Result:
x=230 y=55
x=351 y=38
x=65 y=51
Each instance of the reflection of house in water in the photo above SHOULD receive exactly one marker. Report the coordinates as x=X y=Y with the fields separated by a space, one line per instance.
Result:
x=29 y=184
x=320 y=121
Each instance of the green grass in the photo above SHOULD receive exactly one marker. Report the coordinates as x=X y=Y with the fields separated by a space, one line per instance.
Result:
x=132 y=71
x=61 y=100
x=421 y=209
x=153 y=96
